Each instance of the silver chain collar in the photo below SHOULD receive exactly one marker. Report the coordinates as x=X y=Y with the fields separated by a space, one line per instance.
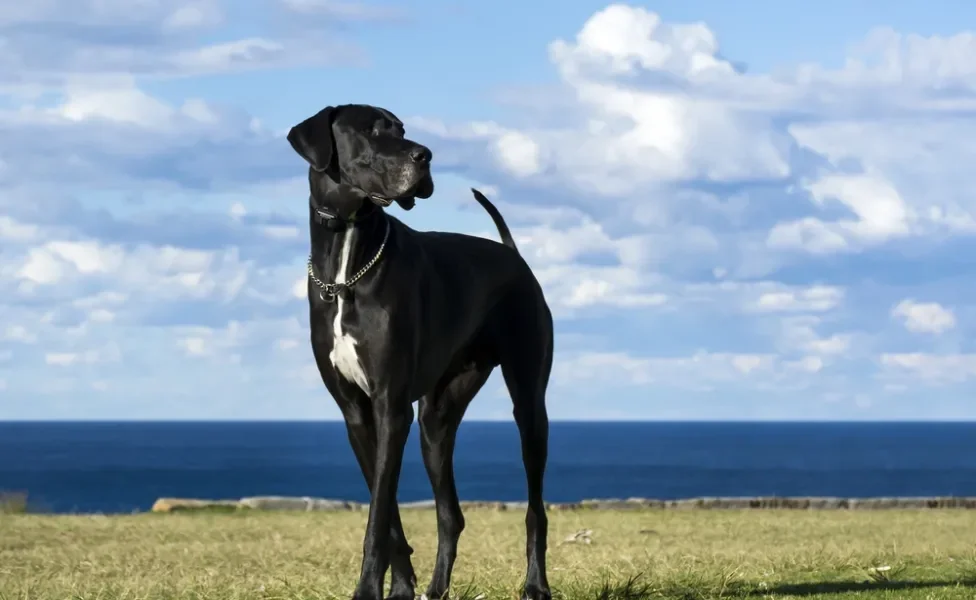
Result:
x=331 y=290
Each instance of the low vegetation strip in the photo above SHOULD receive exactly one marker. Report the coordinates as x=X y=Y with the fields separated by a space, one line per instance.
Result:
x=18 y=502
x=609 y=554
x=309 y=504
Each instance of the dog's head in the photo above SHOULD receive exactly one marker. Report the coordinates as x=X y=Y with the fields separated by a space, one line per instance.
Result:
x=364 y=147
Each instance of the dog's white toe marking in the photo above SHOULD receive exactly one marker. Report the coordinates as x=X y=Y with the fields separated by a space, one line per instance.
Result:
x=343 y=356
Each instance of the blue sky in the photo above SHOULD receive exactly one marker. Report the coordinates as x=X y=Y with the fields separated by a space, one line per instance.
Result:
x=756 y=210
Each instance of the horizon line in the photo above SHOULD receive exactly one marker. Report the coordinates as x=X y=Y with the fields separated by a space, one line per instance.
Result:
x=476 y=420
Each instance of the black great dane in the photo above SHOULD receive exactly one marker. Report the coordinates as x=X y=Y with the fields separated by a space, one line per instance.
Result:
x=398 y=316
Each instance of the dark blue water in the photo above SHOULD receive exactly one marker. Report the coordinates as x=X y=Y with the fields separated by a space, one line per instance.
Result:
x=110 y=467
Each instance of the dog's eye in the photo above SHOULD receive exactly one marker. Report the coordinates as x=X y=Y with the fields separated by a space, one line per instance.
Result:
x=375 y=132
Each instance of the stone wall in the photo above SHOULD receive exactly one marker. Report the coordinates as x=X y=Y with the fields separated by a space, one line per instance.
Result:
x=307 y=504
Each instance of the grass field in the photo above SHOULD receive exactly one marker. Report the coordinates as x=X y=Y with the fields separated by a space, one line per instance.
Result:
x=676 y=554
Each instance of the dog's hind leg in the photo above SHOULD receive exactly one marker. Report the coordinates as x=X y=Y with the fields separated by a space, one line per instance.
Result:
x=526 y=365
x=361 y=429
x=440 y=416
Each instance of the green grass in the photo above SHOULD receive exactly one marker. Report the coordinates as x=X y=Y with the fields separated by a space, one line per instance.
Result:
x=11 y=503
x=684 y=555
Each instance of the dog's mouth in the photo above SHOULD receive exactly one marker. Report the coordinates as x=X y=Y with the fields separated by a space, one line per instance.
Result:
x=382 y=201
x=422 y=188
x=406 y=203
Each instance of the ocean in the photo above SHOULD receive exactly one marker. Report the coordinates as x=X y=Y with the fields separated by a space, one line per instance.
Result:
x=125 y=466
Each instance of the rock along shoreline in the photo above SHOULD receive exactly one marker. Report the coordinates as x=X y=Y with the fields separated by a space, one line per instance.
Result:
x=309 y=504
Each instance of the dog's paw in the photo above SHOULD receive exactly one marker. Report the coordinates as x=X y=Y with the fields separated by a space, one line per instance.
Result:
x=375 y=595
x=532 y=592
x=402 y=590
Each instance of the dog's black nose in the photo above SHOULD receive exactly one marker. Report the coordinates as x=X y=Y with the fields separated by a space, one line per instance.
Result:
x=420 y=154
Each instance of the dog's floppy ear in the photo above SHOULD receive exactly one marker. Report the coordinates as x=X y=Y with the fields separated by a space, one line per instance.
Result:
x=312 y=138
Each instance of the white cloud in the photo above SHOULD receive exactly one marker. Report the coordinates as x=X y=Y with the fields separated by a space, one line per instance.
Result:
x=41 y=267
x=282 y=232
x=101 y=315
x=808 y=233
x=19 y=333
x=519 y=154
x=110 y=353
x=923 y=158
x=662 y=207
x=809 y=364
x=112 y=298
x=834 y=344
x=934 y=368
x=698 y=371
x=86 y=257
x=652 y=110
x=343 y=9
x=627 y=139
x=622 y=38
x=96 y=38
x=799 y=334
x=817 y=298
x=556 y=247
x=229 y=56
x=890 y=59
x=123 y=103
x=924 y=317
x=107 y=133
x=193 y=15
x=61 y=359
x=210 y=342
x=880 y=214
x=111 y=12
x=194 y=346
x=747 y=363
x=299 y=288
x=285 y=344
x=14 y=231
x=237 y=211
x=167 y=272
x=548 y=244
x=571 y=287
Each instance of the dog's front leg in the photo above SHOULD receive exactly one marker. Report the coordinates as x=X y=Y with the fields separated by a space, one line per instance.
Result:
x=393 y=417
x=358 y=414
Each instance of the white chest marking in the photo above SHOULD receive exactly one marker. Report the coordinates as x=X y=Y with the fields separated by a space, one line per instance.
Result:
x=343 y=355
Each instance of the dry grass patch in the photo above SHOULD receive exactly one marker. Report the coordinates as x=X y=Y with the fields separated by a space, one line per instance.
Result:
x=926 y=554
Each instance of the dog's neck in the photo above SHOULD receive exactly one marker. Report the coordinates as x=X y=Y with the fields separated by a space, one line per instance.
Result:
x=342 y=244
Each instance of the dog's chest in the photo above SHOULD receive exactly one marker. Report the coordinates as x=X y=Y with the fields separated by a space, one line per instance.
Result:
x=344 y=356
x=346 y=360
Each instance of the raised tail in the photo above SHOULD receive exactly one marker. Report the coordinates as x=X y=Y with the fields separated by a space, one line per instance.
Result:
x=496 y=216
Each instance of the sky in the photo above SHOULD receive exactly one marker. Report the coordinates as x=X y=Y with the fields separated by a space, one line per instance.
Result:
x=738 y=211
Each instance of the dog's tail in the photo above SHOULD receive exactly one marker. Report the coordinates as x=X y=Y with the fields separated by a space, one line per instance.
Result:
x=496 y=216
